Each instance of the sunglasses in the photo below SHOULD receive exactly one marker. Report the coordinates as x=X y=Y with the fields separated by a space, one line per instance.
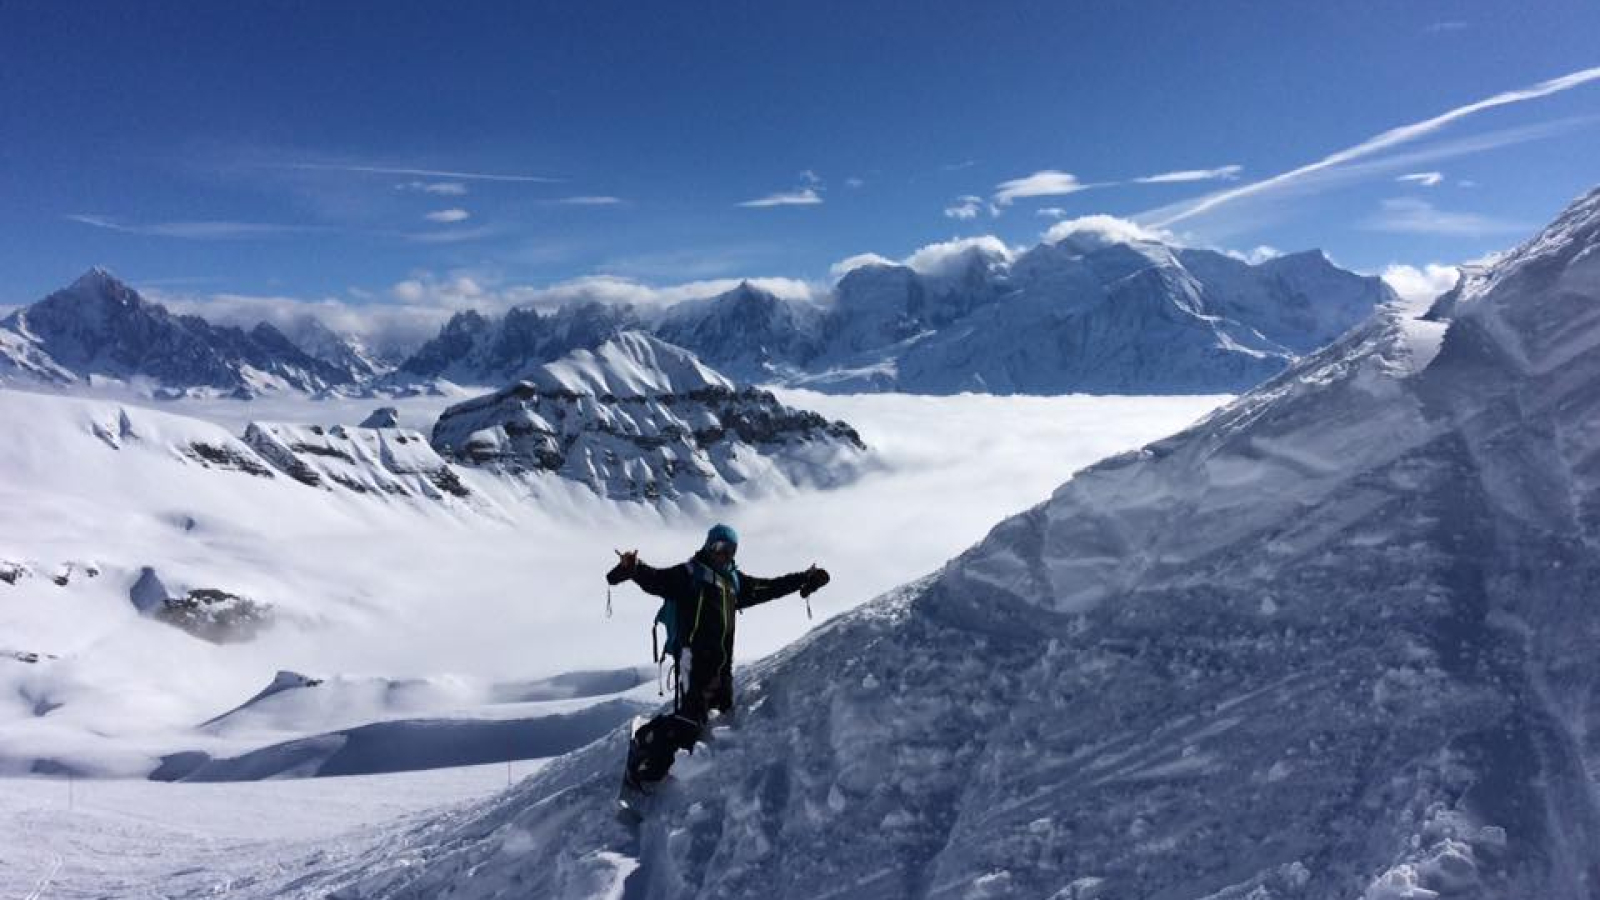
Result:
x=722 y=548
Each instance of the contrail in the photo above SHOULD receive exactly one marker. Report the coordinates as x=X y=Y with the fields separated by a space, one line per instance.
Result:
x=1391 y=138
x=426 y=173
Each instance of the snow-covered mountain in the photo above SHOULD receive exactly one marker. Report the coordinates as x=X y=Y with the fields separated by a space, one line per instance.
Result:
x=638 y=419
x=475 y=349
x=1338 y=640
x=747 y=333
x=348 y=354
x=1081 y=313
x=1085 y=313
x=99 y=328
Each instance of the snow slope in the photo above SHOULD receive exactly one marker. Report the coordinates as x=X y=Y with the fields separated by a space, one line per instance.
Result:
x=1337 y=640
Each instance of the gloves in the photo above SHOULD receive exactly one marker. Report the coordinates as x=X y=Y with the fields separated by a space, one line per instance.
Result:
x=623 y=570
x=815 y=579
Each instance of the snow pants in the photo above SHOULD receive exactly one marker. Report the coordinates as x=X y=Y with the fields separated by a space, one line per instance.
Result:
x=657 y=742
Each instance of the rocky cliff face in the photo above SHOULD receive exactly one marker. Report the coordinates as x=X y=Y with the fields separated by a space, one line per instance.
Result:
x=641 y=420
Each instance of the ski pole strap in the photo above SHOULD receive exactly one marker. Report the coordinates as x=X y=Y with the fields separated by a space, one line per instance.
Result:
x=608 y=601
x=808 y=608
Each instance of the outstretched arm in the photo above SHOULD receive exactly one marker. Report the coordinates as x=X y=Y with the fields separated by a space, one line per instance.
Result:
x=754 y=590
x=662 y=583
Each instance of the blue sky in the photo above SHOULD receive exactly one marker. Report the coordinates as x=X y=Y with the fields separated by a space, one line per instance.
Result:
x=337 y=150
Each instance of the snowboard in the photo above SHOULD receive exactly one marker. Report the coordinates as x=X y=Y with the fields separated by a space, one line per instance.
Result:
x=634 y=803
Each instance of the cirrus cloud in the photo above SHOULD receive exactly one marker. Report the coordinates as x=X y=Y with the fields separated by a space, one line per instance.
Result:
x=1221 y=173
x=801 y=197
x=1426 y=179
x=1412 y=215
x=1381 y=142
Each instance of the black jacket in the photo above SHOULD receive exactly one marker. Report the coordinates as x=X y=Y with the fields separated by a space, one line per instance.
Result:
x=706 y=604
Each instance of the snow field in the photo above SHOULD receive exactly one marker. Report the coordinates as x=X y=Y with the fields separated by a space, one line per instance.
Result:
x=446 y=597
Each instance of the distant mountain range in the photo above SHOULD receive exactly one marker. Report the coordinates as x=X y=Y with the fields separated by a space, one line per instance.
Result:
x=99 y=329
x=1082 y=313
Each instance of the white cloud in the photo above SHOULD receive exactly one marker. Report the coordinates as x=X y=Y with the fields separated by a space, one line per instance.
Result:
x=1426 y=179
x=590 y=200
x=843 y=267
x=448 y=215
x=802 y=197
x=454 y=235
x=440 y=188
x=1103 y=230
x=933 y=259
x=1051 y=212
x=424 y=173
x=1410 y=215
x=1044 y=183
x=1394 y=137
x=1261 y=254
x=1223 y=173
x=386 y=327
x=940 y=258
x=965 y=208
x=854 y=182
x=199 y=231
x=1419 y=286
x=809 y=177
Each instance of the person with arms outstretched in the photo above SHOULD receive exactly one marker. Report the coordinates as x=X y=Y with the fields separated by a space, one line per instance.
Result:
x=701 y=600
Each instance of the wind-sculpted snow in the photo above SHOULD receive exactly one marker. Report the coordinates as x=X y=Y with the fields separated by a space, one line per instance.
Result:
x=1337 y=641
x=641 y=420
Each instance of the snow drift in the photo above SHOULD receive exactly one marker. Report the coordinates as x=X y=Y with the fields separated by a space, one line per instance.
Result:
x=1336 y=641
